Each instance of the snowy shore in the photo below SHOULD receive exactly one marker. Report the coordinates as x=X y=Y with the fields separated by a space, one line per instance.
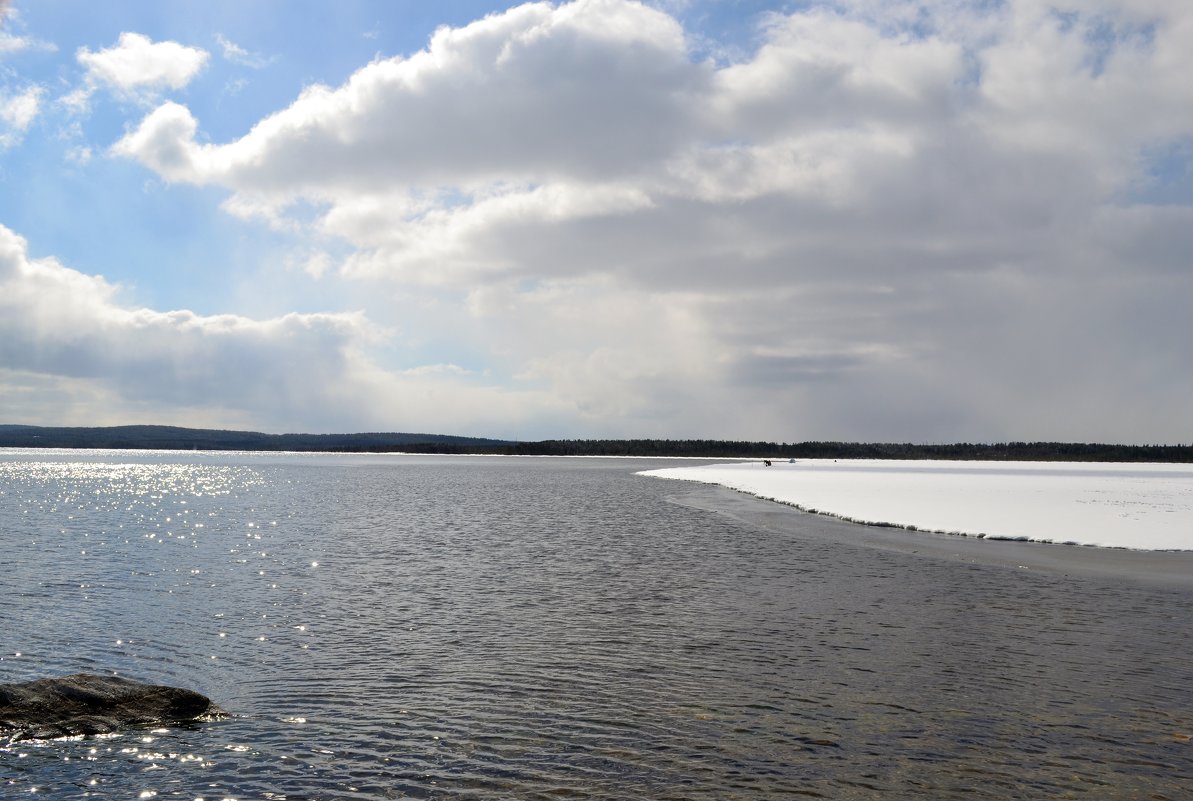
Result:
x=1137 y=506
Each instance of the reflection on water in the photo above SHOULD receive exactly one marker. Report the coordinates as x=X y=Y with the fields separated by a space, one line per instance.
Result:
x=389 y=627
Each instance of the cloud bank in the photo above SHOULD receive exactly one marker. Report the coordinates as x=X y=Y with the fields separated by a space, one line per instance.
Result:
x=66 y=335
x=916 y=221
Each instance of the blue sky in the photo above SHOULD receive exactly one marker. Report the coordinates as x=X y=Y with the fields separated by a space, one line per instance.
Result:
x=926 y=221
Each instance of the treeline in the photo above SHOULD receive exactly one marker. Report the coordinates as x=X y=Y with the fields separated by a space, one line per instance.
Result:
x=707 y=448
x=175 y=438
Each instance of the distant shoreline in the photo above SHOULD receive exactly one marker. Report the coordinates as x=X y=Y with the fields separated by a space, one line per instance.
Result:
x=173 y=438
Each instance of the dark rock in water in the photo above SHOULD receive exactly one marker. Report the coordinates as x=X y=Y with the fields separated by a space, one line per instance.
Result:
x=89 y=704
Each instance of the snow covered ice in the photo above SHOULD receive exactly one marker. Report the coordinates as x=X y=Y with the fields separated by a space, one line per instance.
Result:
x=1139 y=506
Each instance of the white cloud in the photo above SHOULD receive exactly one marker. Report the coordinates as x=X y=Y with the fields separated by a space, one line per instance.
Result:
x=112 y=363
x=17 y=112
x=238 y=55
x=419 y=121
x=438 y=369
x=136 y=68
x=57 y=321
x=11 y=42
x=79 y=154
x=137 y=62
x=891 y=220
x=164 y=142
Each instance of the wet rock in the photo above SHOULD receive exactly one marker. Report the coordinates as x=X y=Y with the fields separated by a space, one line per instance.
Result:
x=90 y=704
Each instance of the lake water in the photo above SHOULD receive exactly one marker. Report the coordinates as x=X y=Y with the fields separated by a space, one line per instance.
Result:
x=484 y=628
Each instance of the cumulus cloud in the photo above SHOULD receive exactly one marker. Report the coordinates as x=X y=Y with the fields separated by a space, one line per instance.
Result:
x=535 y=87
x=897 y=217
x=136 y=68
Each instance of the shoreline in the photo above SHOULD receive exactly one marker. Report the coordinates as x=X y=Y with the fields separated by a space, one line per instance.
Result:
x=1158 y=569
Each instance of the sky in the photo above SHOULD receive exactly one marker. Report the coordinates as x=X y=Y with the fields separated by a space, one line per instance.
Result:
x=930 y=221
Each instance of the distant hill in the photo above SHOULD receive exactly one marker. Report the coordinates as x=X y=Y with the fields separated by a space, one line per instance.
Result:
x=174 y=438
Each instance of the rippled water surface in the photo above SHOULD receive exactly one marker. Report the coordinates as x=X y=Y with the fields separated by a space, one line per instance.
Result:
x=421 y=627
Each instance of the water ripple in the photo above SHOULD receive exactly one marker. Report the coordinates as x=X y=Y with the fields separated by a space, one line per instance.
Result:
x=387 y=627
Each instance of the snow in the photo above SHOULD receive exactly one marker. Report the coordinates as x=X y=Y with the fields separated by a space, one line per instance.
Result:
x=1140 y=506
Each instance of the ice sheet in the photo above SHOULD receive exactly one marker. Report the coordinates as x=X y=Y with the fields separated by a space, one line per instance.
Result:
x=1141 y=506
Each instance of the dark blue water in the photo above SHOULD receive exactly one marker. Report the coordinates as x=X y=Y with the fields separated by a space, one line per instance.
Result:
x=422 y=627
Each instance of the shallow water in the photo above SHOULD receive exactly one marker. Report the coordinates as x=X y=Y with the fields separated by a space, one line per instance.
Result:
x=420 y=627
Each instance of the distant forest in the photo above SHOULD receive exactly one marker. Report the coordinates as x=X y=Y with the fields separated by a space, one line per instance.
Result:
x=174 y=438
x=186 y=439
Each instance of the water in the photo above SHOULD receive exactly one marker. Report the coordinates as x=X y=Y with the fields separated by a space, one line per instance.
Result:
x=457 y=628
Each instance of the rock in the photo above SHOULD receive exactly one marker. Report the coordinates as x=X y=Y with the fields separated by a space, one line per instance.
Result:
x=89 y=704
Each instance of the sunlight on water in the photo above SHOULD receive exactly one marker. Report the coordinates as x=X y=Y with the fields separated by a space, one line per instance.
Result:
x=381 y=627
